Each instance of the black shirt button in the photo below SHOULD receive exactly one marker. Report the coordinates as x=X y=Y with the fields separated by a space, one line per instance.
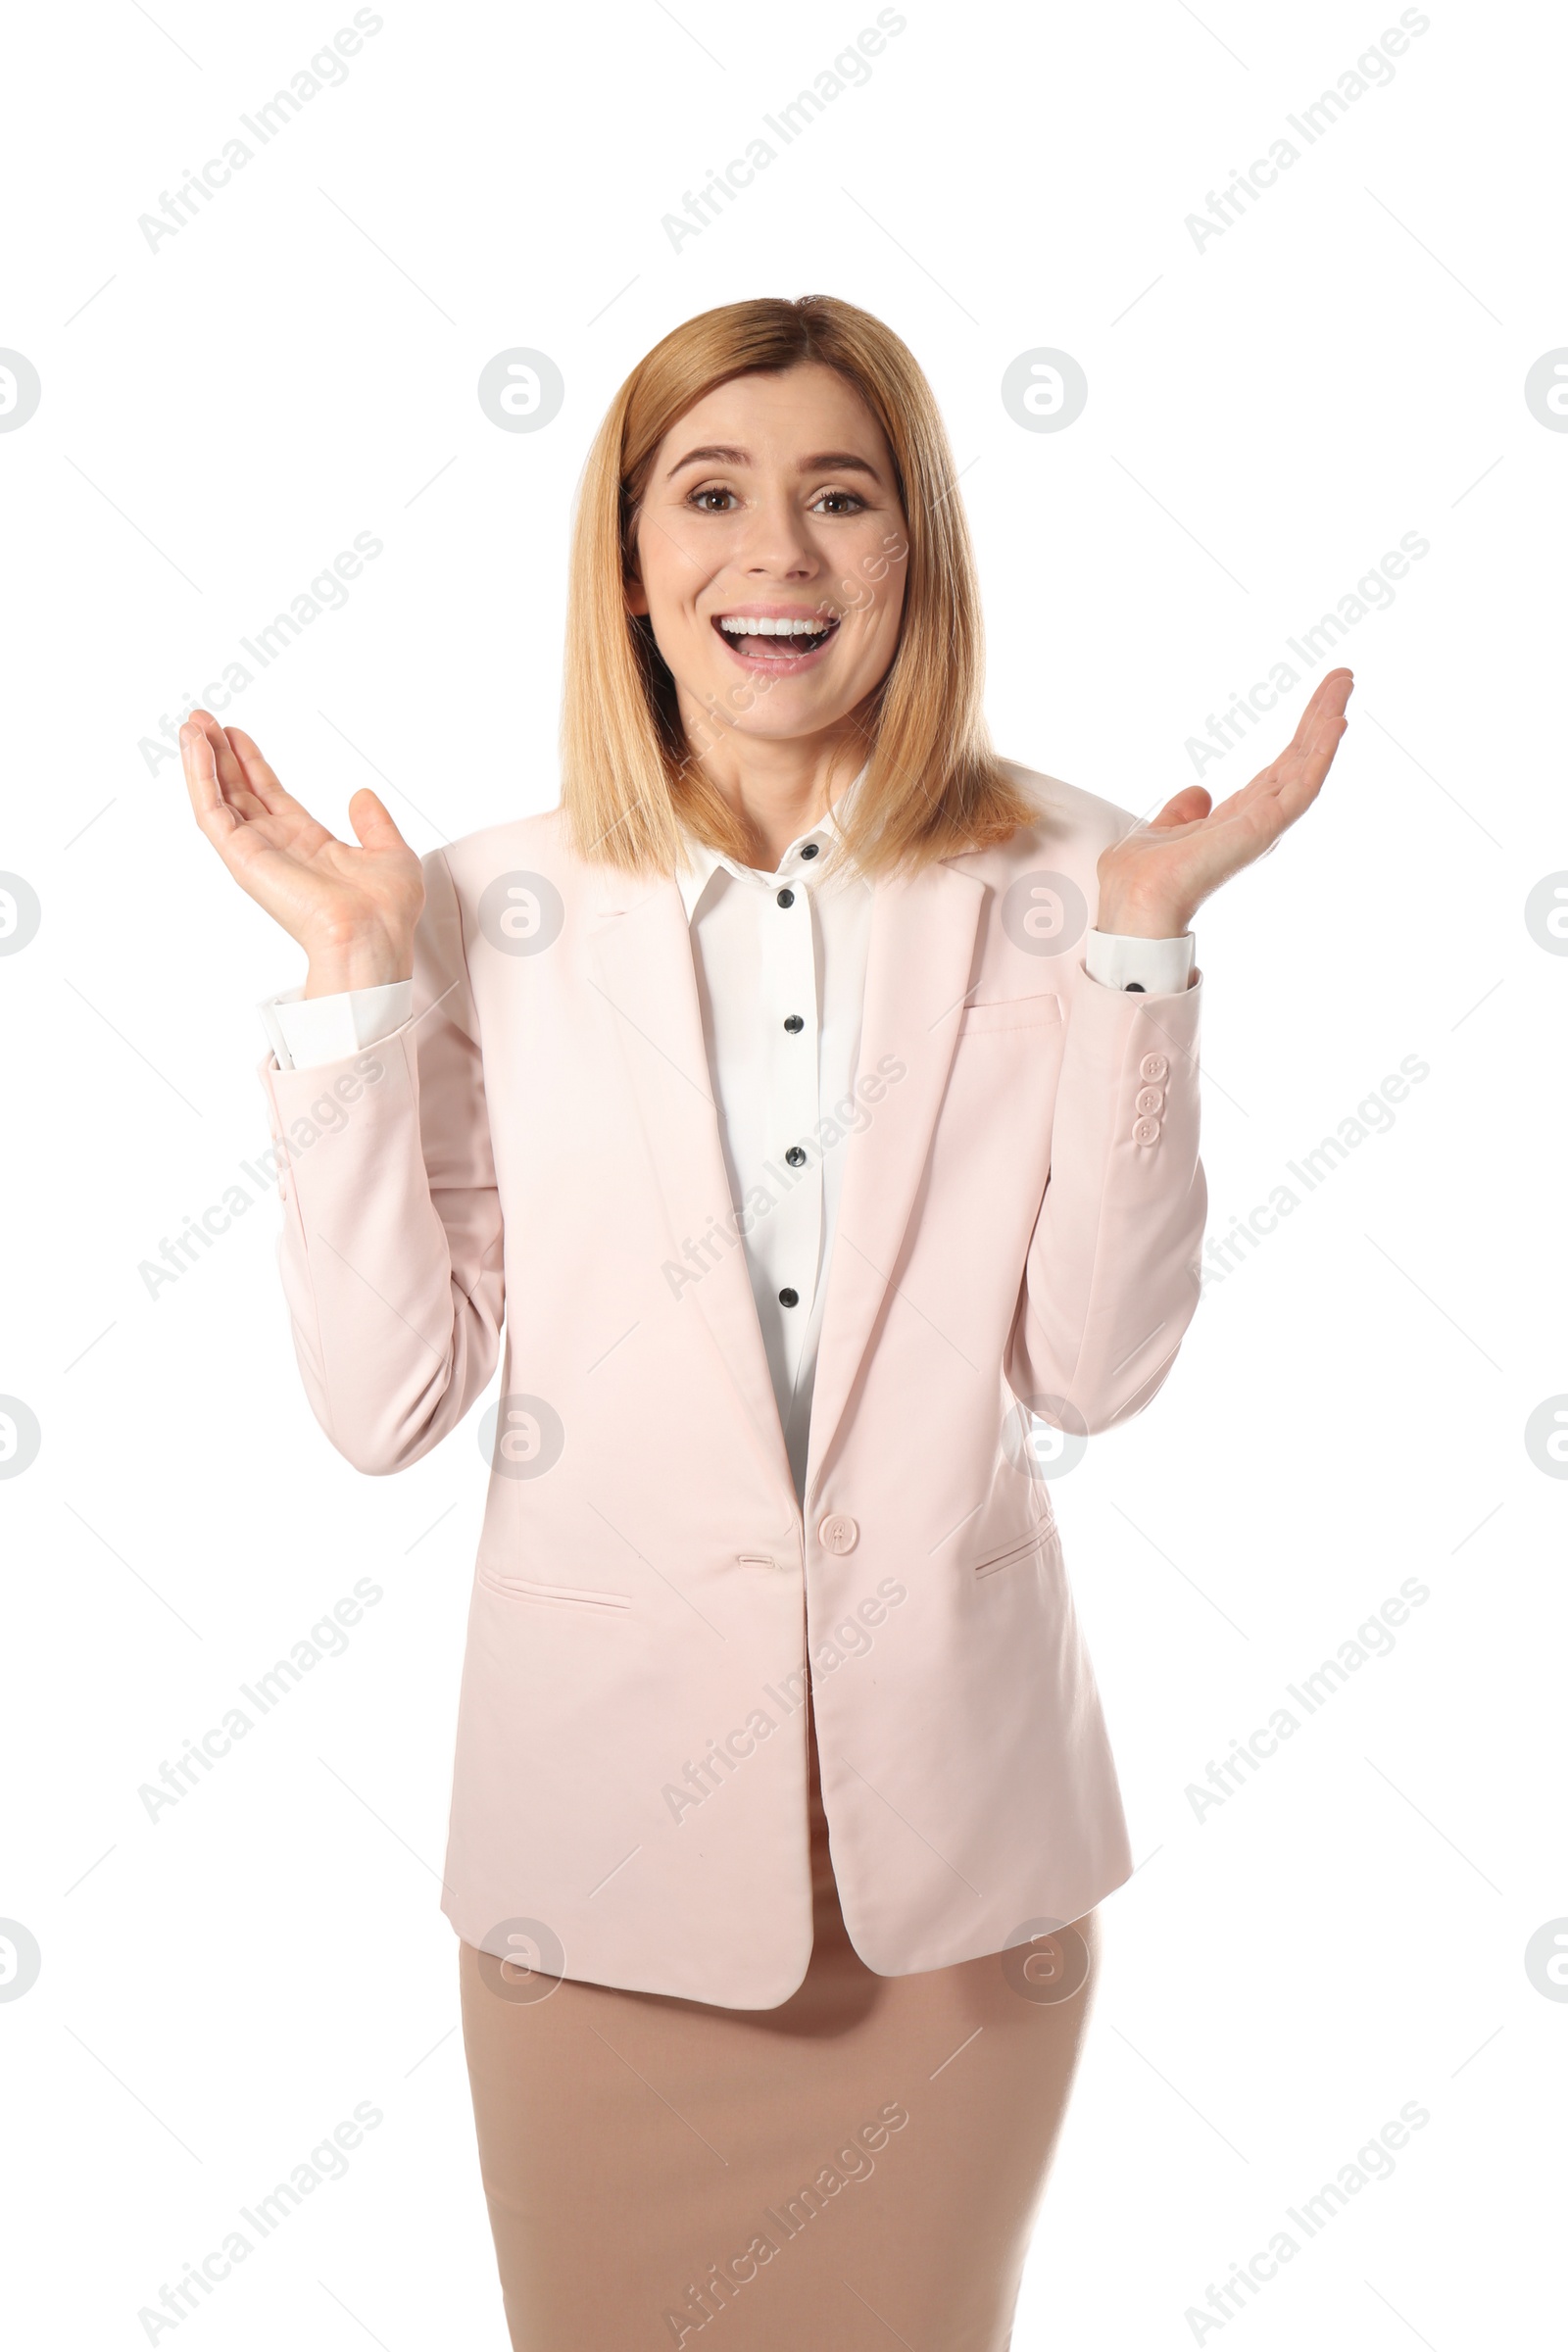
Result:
x=789 y=1298
x=786 y=897
x=809 y=849
x=795 y=1156
x=795 y=1024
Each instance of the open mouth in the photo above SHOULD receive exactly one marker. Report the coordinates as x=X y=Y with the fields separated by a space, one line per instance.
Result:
x=776 y=642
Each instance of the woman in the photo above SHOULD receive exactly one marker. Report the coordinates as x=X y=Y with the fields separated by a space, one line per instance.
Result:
x=838 y=1180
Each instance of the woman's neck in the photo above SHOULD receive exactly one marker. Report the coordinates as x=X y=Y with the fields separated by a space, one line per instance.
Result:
x=780 y=789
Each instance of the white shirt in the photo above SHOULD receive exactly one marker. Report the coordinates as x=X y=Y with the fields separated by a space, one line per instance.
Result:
x=760 y=964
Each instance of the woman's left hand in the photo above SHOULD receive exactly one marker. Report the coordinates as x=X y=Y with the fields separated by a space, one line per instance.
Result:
x=1154 y=880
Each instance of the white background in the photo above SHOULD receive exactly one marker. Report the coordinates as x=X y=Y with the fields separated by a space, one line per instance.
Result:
x=1267 y=415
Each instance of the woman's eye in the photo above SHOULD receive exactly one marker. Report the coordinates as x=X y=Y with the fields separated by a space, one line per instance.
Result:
x=700 y=499
x=839 y=502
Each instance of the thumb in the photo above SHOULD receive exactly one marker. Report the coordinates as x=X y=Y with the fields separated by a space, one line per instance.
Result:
x=1189 y=805
x=372 y=825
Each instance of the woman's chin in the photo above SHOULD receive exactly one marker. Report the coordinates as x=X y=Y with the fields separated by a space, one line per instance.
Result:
x=770 y=708
x=779 y=724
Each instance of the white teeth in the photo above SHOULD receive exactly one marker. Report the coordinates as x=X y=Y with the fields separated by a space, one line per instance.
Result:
x=735 y=624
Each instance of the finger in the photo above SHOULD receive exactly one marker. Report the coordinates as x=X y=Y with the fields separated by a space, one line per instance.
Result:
x=261 y=778
x=230 y=775
x=1325 y=707
x=1309 y=752
x=265 y=874
x=199 y=763
x=1323 y=723
x=1301 y=772
x=372 y=824
x=1190 y=804
x=1319 y=728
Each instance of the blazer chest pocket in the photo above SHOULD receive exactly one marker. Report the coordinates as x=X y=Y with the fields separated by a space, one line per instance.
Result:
x=579 y=1600
x=1010 y=1012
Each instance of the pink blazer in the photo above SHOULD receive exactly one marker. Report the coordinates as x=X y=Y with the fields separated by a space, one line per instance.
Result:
x=1021 y=1217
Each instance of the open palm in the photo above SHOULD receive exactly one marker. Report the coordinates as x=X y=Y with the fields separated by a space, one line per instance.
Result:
x=353 y=910
x=1154 y=880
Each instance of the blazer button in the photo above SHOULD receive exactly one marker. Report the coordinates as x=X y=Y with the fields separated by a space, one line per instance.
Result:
x=1153 y=1068
x=1147 y=1131
x=1150 y=1098
x=838 y=1534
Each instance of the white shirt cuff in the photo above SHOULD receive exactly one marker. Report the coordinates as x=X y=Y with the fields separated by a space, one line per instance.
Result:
x=306 y=1031
x=1161 y=967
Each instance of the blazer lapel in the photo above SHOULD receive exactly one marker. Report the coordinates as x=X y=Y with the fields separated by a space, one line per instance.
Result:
x=919 y=970
x=644 y=961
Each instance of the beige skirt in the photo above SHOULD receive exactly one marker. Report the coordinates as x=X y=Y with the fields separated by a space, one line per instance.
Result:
x=859 y=2165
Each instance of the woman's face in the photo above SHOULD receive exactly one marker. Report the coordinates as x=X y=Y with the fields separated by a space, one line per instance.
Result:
x=771 y=551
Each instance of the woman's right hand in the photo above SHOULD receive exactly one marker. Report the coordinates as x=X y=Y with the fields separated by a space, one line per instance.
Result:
x=353 y=910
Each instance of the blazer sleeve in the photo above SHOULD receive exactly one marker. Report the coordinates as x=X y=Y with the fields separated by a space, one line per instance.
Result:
x=1114 y=1269
x=390 y=1252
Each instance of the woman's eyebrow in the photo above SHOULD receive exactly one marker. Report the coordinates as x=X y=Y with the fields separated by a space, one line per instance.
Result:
x=837 y=461
x=708 y=456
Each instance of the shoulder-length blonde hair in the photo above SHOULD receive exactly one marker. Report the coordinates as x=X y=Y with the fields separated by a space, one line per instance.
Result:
x=933 y=785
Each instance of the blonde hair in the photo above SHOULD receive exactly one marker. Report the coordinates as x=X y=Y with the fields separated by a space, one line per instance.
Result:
x=933 y=787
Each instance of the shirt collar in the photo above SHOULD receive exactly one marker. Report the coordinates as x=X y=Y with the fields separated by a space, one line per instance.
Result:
x=694 y=877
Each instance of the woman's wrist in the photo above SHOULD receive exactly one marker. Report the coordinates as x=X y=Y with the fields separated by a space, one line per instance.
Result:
x=358 y=967
x=367 y=961
x=1125 y=918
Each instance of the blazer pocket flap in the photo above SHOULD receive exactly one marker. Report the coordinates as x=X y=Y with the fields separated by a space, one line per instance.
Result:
x=576 y=1596
x=1016 y=1553
x=1010 y=1012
